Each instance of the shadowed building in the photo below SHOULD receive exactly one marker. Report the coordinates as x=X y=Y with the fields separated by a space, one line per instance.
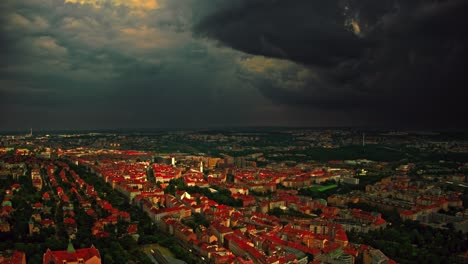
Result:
x=72 y=256
x=12 y=257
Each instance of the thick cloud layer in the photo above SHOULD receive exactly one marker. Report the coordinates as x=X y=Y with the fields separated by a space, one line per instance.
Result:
x=116 y=64
x=400 y=62
x=69 y=64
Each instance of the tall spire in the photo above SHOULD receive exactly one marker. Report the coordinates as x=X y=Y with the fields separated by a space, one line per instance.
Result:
x=70 y=248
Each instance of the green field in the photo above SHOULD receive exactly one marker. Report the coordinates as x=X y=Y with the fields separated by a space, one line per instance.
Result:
x=323 y=188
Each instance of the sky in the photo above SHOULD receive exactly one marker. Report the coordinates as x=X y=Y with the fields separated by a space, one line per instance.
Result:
x=107 y=64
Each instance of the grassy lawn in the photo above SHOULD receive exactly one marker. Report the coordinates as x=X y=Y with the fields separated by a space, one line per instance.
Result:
x=328 y=187
x=164 y=251
x=322 y=188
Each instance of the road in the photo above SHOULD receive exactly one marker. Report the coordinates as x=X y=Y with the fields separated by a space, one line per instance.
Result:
x=158 y=257
x=152 y=258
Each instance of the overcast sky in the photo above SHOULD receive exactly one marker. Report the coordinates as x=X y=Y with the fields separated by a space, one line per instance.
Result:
x=100 y=64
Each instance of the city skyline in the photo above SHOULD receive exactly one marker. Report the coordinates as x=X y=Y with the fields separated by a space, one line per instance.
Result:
x=295 y=196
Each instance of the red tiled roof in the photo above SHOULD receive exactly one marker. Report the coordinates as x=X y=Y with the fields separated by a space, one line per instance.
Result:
x=132 y=229
x=7 y=209
x=380 y=222
x=330 y=248
x=16 y=258
x=351 y=251
x=221 y=228
x=47 y=222
x=90 y=212
x=407 y=212
x=63 y=255
x=69 y=221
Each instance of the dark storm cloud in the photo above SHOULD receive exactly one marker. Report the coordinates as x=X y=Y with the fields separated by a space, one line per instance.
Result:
x=70 y=65
x=401 y=61
x=147 y=63
x=304 y=31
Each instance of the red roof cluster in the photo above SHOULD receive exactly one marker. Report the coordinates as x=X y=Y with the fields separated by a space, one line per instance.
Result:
x=63 y=255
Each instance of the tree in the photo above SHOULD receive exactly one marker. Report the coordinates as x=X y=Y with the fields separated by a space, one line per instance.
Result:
x=55 y=244
x=128 y=242
x=108 y=259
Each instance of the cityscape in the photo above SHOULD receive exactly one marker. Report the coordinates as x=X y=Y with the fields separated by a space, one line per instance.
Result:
x=234 y=196
x=233 y=132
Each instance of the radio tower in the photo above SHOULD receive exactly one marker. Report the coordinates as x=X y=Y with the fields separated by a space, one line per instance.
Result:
x=30 y=133
x=363 y=139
